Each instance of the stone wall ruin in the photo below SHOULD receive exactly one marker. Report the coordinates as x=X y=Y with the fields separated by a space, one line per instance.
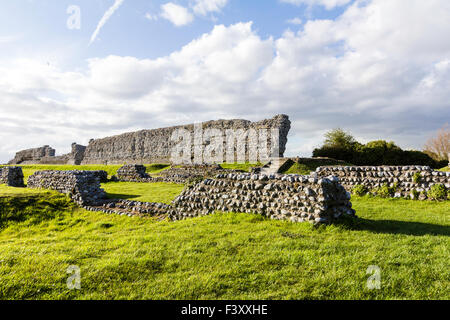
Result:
x=285 y=197
x=411 y=181
x=46 y=155
x=12 y=176
x=82 y=186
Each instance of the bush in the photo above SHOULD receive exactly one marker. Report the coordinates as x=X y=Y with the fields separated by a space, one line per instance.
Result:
x=385 y=191
x=360 y=190
x=437 y=192
x=377 y=153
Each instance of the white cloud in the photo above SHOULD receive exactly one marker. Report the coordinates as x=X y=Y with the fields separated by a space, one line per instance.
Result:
x=176 y=14
x=108 y=14
x=381 y=71
x=328 y=4
x=295 y=21
x=203 y=7
x=151 y=17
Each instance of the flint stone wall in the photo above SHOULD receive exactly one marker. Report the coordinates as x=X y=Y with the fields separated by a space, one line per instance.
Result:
x=12 y=176
x=283 y=197
x=155 y=146
x=374 y=177
x=82 y=186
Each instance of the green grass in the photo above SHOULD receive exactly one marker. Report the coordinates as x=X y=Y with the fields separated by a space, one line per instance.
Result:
x=307 y=168
x=240 y=166
x=222 y=256
x=28 y=170
x=298 y=168
x=145 y=192
x=6 y=191
x=445 y=169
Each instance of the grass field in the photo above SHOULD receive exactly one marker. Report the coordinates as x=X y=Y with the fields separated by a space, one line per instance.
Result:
x=145 y=192
x=222 y=256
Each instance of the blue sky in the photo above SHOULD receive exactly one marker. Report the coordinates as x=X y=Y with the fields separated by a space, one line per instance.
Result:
x=380 y=69
x=40 y=26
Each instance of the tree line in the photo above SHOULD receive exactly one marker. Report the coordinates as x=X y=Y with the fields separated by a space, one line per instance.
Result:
x=342 y=145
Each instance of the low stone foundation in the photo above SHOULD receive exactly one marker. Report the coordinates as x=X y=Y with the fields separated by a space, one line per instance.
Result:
x=82 y=186
x=283 y=197
x=409 y=180
x=178 y=174
x=12 y=176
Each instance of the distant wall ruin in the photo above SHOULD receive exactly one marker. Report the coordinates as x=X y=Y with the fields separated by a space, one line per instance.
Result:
x=32 y=156
x=46 y=155
x=156 y=146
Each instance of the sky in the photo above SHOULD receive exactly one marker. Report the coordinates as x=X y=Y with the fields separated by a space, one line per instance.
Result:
x=80 y=69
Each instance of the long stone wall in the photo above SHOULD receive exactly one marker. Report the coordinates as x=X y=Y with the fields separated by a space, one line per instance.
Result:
x=12 y=176
x=409 y=180
x=155 y=146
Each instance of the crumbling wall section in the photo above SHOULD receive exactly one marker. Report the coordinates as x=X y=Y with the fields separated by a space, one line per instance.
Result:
x=32 y=156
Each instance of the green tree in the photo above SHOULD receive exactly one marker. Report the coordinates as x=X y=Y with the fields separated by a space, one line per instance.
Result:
x=338 y=138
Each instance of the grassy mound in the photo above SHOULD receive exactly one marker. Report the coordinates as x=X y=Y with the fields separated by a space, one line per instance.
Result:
x=32 y=208
x=311 y=165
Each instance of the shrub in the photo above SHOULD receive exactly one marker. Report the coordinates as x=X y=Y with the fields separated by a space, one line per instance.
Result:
x=385 y=191
x=437 y=192
x=360 y=190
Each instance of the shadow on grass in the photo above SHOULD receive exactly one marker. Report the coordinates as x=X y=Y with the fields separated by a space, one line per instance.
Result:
x=121 y=196
x=396 y=227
